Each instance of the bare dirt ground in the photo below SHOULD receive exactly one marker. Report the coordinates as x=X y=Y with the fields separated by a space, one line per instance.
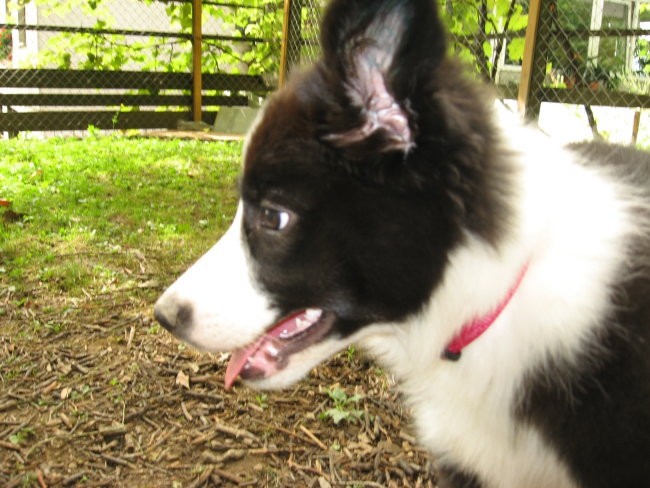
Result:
x=93 y=393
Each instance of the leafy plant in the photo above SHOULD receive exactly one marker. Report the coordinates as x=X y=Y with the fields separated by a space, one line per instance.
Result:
x=471 y=24
x=80 y=392
x=350 y=352
x=642 y=56
x=251 y=40
x=22 y=435
x=609 y=76
x=262 y=400
x=5 y=43
x=344 y=406
x=153 y=329
x=642 y=46
x=252 y=36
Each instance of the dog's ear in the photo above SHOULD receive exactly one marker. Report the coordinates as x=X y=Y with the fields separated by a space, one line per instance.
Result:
x=377 y=54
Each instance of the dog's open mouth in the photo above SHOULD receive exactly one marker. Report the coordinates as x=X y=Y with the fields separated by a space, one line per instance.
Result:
x=271 y=352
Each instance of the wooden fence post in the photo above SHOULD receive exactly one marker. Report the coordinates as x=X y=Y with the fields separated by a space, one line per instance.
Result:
x=530 y=62
x=291 y=36
x=636 y=122
x=197 y=39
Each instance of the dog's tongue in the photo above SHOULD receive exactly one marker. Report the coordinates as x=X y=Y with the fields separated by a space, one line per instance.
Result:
x=265 y=353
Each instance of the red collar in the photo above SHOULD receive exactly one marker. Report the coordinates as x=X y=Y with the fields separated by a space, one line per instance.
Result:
x=473 y=330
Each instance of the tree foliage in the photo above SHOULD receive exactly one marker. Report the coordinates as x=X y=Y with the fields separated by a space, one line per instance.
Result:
x=478 y=27
x=485 y=34
x=252 y=45
x=5 y=44
x=484 y=30
x=642 y=50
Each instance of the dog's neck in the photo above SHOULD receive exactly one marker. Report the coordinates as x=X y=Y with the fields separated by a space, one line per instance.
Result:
x=476 y=327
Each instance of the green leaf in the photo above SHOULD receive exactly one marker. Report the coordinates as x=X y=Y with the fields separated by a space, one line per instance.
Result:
x=516 y=49
x=337 y=394
x=354 y=398
x=336 y=415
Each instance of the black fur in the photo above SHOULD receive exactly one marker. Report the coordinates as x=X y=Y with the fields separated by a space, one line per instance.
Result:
x=358 y=236
x=385 y=156
x=353 y=203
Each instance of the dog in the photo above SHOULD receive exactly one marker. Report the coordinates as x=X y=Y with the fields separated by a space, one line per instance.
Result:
x=387 y=200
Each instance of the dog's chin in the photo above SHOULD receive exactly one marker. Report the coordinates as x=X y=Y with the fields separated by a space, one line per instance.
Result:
x=286 y=351
x=297 y=366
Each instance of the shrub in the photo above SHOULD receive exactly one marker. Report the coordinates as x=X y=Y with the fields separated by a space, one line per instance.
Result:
x=5 y=43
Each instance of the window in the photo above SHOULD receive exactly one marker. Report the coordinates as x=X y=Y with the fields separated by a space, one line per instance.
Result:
x=614 y=52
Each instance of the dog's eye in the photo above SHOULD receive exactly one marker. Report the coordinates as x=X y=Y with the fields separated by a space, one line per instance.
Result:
x=274 y=219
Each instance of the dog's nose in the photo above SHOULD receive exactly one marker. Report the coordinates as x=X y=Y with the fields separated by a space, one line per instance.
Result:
x=163 y=316
x=171 y=313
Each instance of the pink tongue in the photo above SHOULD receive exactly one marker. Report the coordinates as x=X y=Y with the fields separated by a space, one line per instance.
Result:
x=238 y=360
x=284 y=329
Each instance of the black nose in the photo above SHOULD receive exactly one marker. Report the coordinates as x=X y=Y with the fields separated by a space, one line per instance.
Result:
x=161 y=315
x=171 y=314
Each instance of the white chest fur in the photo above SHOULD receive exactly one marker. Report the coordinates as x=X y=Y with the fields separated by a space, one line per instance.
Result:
x=571 y=230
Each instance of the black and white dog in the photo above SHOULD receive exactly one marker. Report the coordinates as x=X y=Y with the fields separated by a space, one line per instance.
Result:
x=504 y=280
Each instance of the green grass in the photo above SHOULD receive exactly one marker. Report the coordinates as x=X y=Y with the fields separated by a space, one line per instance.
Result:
x=104 y=213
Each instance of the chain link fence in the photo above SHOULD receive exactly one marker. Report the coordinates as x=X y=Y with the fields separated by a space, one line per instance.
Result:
x=301 y=34
x=591 y=68
x=128 y=63
x=592 y=60
x=589 y=76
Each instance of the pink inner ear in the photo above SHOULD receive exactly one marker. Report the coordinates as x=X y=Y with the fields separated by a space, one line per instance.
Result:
x=386 y=113
x=379 y=109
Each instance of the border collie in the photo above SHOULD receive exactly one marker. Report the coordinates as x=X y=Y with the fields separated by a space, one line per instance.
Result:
x=387 y=200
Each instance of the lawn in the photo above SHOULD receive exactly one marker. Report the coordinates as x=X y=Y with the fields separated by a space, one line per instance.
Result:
x=86 y=213
x=94 y=393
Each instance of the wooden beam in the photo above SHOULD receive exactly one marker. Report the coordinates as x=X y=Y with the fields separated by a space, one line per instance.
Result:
x=104 y=92
x=284 y=46
x=95 y=100
x=137 y=80
x=636 y=122
x=197 y=39
x=291 y=37
x=60 y=121
x=235 y=82
x=129 y=32
x=530 y=44
x=585 y=96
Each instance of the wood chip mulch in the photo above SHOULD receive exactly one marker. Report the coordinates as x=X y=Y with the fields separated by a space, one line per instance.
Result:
x=92 y=394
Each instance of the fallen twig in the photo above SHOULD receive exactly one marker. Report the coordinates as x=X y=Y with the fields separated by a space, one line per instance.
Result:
x=73 y=479
x=229 y=476
x=10 y=446
x=117 y=460
x=311 y=435
x=39 y=478
x=203 y=477
x=234 y=431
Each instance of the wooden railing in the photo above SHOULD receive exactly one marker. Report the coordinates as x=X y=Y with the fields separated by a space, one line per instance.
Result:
x=56 y=100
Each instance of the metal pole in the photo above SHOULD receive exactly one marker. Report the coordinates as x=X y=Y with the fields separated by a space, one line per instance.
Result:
x=197 y=39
